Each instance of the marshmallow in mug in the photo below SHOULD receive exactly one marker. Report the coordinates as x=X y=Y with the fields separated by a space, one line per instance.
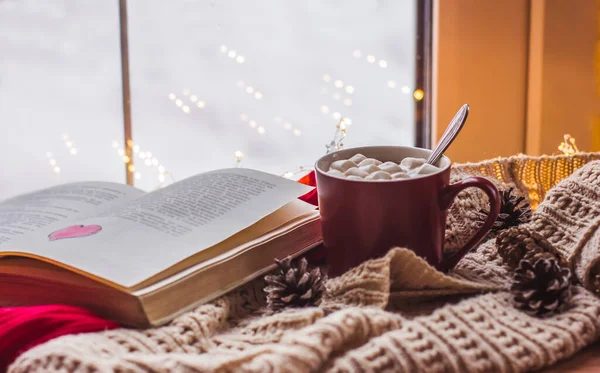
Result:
x=359 y=167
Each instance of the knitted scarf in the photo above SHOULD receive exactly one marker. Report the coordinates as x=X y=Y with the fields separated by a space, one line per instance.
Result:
x=391 y=314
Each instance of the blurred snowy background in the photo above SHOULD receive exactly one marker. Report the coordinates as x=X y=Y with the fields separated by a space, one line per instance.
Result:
x=267 y=78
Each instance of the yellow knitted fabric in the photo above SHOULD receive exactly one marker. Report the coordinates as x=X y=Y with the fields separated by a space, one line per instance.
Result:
x=392 y=314
x=534 y=176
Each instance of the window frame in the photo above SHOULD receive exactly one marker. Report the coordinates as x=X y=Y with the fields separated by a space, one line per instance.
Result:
x=423 y=72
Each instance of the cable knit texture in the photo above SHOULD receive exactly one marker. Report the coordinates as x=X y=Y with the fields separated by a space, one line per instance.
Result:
x=391 y=314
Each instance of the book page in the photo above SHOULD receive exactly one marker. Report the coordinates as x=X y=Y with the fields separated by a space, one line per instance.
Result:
x=32 y=212
x=130 y=243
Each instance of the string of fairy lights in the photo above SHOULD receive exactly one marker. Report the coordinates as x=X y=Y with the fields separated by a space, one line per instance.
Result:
x=341 y=89
x=188 y=95
x=232 y=53
x=238 y=158
x=418 y=94
x=253 y=124
x=53 y=163
x=339 y=136
x=249 y=89
x=147 y=159
x=346 y=90
x=339 y=93
x=335 y=144
x=69 y=145
x=288 y=126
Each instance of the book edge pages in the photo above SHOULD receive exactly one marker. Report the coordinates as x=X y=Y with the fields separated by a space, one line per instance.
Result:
x=229 y=255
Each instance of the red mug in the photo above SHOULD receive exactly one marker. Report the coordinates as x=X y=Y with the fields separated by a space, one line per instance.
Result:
x=363 y=219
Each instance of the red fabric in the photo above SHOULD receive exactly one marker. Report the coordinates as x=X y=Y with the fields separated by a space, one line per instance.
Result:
x=310 y=197
x=22 y=328
x=309 y=179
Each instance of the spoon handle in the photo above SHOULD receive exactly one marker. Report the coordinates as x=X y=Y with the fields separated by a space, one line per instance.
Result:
x=450 y=134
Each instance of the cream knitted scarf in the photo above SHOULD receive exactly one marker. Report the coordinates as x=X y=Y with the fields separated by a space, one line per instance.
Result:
x=392 y=314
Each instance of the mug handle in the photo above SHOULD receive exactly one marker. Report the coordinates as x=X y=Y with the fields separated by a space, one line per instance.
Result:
x=446 y=198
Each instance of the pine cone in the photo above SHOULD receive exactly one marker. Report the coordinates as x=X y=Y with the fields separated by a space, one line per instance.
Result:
x=533 y=256
x=513 y=211
x=542 y=287
x=515 y=244
x=294 y=285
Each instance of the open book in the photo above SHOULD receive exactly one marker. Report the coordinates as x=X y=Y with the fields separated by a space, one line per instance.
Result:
x=143 y=258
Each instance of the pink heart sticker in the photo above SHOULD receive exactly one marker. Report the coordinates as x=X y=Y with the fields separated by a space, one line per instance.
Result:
x=75 y=231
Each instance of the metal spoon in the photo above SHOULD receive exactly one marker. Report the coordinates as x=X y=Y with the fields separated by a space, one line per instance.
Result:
x=449 y=135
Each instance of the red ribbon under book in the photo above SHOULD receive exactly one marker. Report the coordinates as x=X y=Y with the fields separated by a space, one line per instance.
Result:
x=310 y=180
